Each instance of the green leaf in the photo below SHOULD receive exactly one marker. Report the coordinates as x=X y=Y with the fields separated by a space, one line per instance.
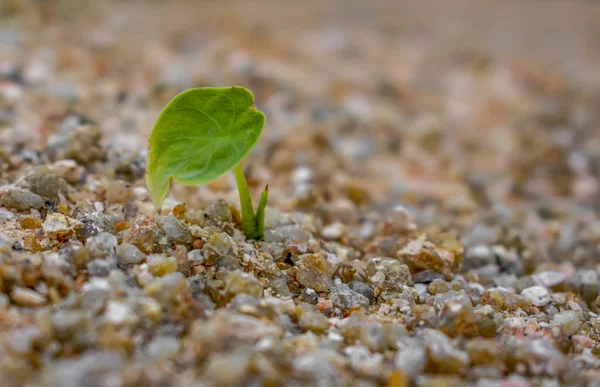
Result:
x=200 y=135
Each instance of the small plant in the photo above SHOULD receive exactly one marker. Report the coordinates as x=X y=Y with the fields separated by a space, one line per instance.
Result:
x=201 y=134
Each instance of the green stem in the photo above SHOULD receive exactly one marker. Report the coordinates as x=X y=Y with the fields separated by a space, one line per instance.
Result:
x=253 y=225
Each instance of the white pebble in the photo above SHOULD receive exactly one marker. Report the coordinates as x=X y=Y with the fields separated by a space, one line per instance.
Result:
x=538 y=295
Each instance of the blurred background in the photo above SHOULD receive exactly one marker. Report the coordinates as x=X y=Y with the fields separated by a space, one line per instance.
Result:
x=455 y=106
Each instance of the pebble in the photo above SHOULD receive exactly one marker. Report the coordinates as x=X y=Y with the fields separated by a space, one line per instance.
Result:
x=508 y=260
x=313 y=321
x=125 y=156
x=238 y=282
x=373 y=336
x=381 y=269
x=21 y=199
x=363 y=361
x=442 y=356
x=364 y=289
x=119 y=313
x=442 y=299
x=345 y=298
x=538 y=295
x=159 y=264
x=128 y=254
x=27 y=297
x=57 y=226
x=219 y=211
x=24 y=339
x=95 y=293
x=568 y=321
x=174 y=229
x=478 y=256
x=66 y=323
x=427 y=276
x=309 y=296
x=100 y=267
x=93 y=368
x=195 y=258
x=163 y=347
x=411 y=356
x=5 y=214
x=68 y=170
x=165 y=289
x=81 y=143
x=586 y=282
x=44 y=182
x=287 y=234
x=549 y=279
x=422 y=254
x=30 y=222
x=400 y=220
x=333 y=231
x=102 y=246
x=92 y=222
x=314 y=271
x=118 y=192
x=229 y=368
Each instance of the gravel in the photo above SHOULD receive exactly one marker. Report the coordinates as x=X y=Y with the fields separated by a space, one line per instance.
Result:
x=433 y=204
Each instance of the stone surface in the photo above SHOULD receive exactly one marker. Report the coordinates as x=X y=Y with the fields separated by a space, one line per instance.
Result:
x=21 y=199
x=174 y=229
x=343 y=297
x=538 y=295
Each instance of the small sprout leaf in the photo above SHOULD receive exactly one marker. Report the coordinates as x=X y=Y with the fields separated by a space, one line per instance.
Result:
x=200 y=135
x=260 y=210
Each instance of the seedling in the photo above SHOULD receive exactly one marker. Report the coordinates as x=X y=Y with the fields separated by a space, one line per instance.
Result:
x=201 y=134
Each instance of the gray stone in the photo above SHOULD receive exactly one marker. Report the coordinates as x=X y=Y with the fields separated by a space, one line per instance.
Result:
x=314 y=271
x=411 y=357
x=6 y=215
x=128 y=254
x=92 y=222
x=538 y=295
x=292 y=233
x=568 y=321
x=508 y=260
x=309 y=296
x=66 y=323
x=343 y=297
x=586 y=282
x=100 y=267
x=102 y=246
x=93 y=368
x=195 y=258
x=21 y=199
x=95 y=293
x=373 y=336
x=441 y=299
x=118 y=192
x=478 y=256
x=442 y=354
x=219 y=211
x=174 y=229
x=549 y=279
x=22 y=340
x=427 y=276
x=163 y=347
x=364 y=289
x=382 y=268
x=46 y=183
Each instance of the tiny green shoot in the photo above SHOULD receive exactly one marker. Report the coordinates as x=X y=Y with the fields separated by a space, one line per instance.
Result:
x=200 y=135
